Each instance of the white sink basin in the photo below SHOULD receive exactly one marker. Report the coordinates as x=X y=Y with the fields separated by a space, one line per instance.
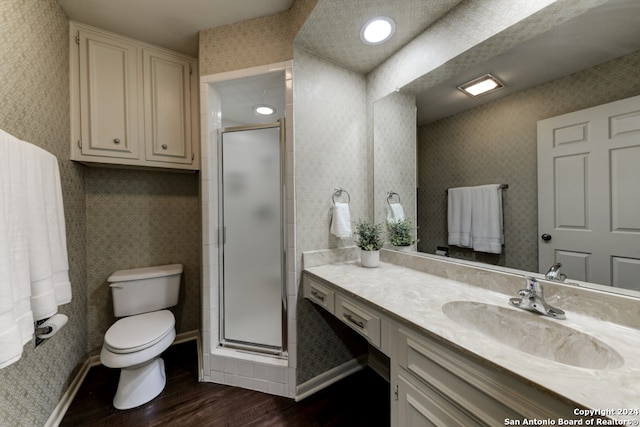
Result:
x=534 y=334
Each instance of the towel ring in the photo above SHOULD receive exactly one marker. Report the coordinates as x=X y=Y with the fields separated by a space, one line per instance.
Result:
x=390 y=195
x=338 y=192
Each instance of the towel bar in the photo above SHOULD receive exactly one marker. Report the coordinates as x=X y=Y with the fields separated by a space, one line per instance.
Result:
x=390 y=195
x=502 y=187
x=338 y=192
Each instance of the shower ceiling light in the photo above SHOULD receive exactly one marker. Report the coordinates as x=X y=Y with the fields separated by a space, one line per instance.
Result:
x=264 y=110
x=377 y=30
x=481 y=85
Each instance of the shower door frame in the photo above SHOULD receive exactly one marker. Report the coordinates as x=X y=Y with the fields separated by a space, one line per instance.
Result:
x=229 y=343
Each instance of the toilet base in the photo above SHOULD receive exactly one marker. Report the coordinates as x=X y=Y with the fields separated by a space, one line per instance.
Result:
x=140 y=384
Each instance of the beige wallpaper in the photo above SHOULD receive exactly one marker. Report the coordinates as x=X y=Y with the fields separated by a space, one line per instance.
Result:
x=330 y=151
x=255 y=42
x=394 y=156
x=496 y=143
x=139 y=219
x=34 y=106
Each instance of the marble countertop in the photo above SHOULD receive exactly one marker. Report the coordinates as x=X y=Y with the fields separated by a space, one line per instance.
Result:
x=416 y=298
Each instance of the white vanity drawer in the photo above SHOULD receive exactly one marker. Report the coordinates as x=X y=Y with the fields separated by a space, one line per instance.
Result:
x=359 y=318
x=319 y=294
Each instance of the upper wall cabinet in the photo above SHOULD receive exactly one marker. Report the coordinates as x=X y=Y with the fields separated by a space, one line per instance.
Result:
x=132 y=104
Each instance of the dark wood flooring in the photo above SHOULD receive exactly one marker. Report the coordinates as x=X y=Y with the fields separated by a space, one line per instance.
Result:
x=361 y=399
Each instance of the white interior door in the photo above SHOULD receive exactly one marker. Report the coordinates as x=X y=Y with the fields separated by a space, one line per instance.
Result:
x=589 y=193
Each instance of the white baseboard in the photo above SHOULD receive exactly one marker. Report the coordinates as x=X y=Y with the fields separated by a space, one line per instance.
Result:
x=333 y=375
x=61 y=408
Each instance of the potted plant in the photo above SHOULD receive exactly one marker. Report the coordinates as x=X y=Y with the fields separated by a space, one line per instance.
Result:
x=368 y=237
x=401 y=234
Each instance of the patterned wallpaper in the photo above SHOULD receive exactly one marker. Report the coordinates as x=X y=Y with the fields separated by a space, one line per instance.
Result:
x=259 y=41
x=34 y=106
x=496 y=143
x=139 y=219
x=394 y=157
x=330 y=151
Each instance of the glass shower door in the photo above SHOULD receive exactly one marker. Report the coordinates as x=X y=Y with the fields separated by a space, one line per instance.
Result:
x=253 y=237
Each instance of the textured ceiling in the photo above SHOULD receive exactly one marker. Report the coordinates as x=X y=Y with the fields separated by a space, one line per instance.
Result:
x=173 y=24
x=332 y=31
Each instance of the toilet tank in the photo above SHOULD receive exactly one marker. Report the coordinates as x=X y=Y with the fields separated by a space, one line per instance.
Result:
x=141 y=290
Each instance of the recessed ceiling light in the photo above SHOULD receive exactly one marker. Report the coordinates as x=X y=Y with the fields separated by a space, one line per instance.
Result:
x=481 y=85
x=377 y=30
x=264 y=110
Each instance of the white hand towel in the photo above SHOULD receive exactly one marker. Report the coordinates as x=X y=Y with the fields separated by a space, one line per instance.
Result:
x=460 y=203
x=395 y=212
x=486 y=220
x=341 y=221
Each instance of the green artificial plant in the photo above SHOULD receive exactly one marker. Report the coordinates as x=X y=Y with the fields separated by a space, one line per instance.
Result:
x=368 y=236
x=401 y=232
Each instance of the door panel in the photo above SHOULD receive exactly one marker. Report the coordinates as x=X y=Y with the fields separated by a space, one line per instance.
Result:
x=589 y=193
x=253 y=237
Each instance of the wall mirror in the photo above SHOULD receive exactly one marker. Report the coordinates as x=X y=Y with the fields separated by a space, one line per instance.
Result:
x=589 y=60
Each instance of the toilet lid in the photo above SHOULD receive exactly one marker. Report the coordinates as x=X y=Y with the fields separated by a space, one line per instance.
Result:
x=135 y=333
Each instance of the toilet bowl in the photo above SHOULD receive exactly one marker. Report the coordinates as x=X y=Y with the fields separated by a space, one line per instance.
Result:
x=134 y=343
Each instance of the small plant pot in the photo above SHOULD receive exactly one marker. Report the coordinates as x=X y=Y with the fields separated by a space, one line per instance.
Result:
x=370 y=259
x=408 y=248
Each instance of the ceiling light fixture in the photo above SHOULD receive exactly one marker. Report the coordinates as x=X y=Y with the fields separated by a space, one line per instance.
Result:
x=264 y=110
x=377 y=30
x=481 y=85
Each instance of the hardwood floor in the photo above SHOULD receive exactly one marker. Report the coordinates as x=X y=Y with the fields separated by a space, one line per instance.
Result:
x=359 y=400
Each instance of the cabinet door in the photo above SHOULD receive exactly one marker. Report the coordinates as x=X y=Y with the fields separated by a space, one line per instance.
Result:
x=422 y=407
x=109 y=97
x=167 y=108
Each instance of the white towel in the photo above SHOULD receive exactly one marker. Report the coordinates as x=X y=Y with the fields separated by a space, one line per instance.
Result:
x=460 y=203
x=16 y=319
x=341 y=220
x=34 y=276
x=395 y=212
x=486 y=220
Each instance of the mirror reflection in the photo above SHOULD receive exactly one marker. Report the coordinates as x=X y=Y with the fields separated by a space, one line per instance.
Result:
x=494 y=140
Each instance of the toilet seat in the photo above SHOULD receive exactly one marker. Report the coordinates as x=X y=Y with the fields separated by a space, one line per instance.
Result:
x=136 y=333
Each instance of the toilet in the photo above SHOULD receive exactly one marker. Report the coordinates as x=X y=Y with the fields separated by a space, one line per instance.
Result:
x=134 y=343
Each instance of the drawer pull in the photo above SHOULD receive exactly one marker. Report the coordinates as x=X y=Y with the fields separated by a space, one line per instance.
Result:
x=350 y=318
x=317 y=295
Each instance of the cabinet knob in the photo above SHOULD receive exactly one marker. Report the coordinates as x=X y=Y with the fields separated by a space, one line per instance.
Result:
x=164 y=146
x=116 y=140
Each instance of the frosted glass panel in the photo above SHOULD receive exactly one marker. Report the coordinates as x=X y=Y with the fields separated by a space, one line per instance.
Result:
x=253 y=238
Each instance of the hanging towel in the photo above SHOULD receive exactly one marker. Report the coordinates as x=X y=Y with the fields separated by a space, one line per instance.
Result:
x=34 y=276
x=486 y=220
x=460 y=203
x=395 y=212
x=16 y=319
x=341 y=220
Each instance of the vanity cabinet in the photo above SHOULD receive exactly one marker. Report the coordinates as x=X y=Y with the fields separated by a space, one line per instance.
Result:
x=360 y=317
x=132 y=104
x=438 y=385
x=434 y=383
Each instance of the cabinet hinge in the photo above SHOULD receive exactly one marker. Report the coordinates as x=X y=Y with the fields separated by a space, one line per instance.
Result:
x=78 y=38
x=190 y=69
x=193 y=156
x=79 y=144
x=396 y=392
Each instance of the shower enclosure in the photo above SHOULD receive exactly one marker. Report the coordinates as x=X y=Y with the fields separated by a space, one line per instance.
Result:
x=253 y=295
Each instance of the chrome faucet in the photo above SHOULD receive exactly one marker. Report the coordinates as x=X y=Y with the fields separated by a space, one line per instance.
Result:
x=554 y=273
x=532 y=299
